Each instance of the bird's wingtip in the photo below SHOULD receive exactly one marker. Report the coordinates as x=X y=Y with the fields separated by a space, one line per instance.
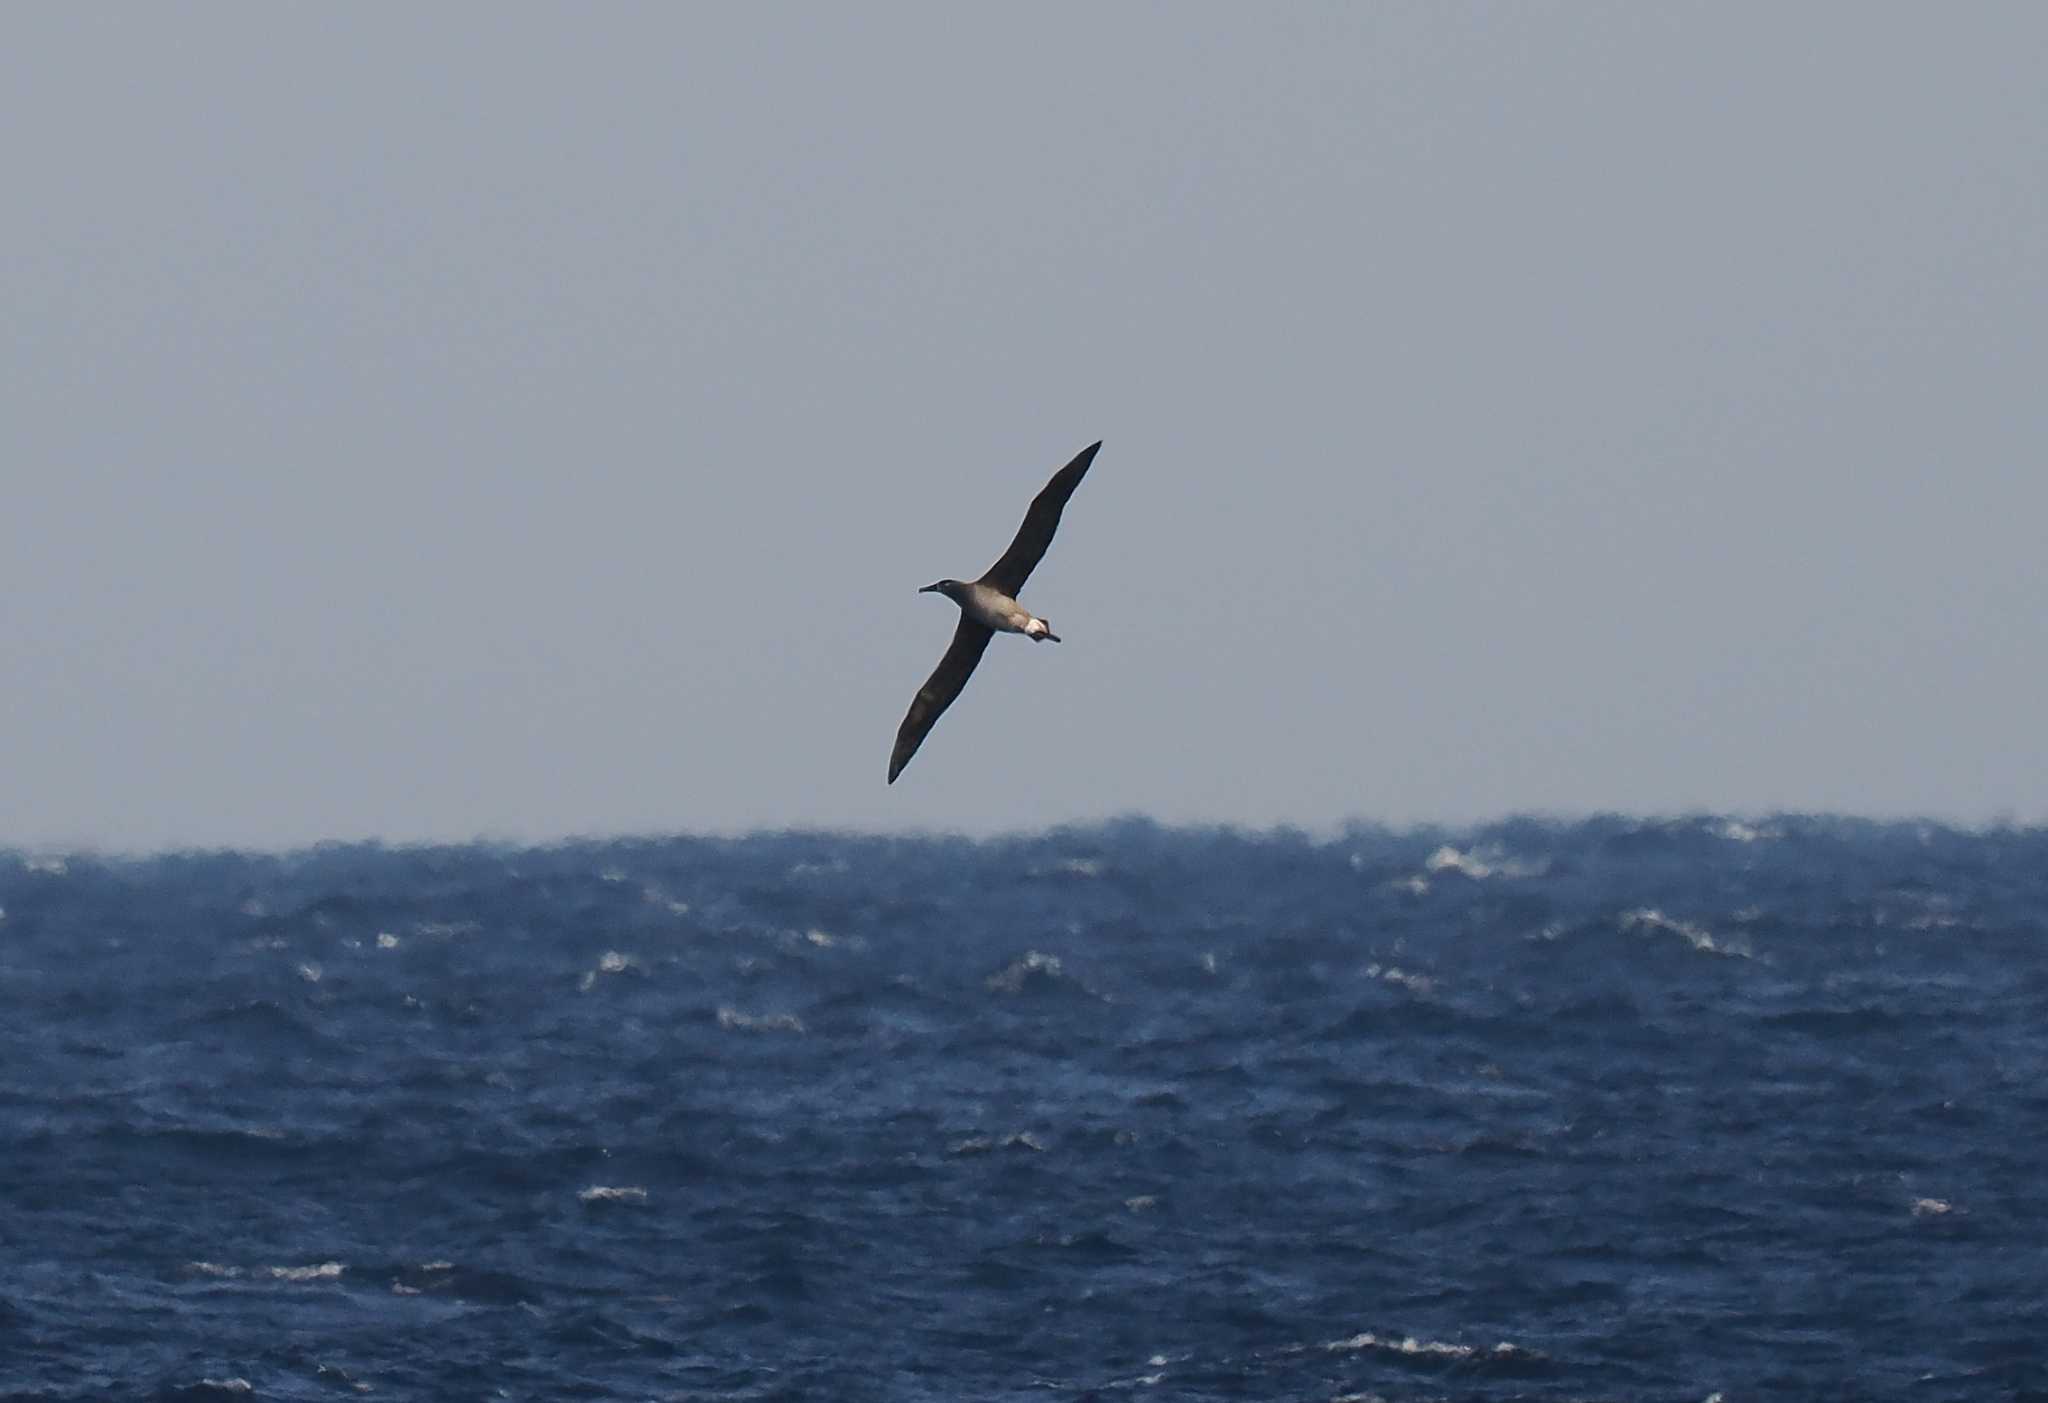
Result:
x=1085 y=458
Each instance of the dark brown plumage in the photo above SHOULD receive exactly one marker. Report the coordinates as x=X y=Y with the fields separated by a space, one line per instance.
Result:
x=938 y=691
x=1010 y=573
x=986 y=605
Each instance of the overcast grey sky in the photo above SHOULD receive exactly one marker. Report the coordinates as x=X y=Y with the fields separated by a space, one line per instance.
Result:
x=431 y=421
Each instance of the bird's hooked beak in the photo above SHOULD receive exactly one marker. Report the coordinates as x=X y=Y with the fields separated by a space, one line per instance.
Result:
x=931 y=589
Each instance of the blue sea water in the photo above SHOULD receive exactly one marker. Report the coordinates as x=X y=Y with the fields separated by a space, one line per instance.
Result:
x=1611 y=1109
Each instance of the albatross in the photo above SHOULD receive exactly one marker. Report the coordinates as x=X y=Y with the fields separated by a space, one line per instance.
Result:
x=989 y=606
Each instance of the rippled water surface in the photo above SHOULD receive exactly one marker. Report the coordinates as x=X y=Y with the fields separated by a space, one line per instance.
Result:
x=1608 y=1110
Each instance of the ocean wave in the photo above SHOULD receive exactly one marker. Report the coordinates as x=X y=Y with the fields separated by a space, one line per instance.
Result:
x=1120 y=1107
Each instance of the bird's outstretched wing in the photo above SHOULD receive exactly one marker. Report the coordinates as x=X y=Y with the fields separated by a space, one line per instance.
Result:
x=1010 y=573
x=938 y=691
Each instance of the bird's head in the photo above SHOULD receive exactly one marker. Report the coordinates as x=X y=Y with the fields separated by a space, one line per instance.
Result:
x=949 y=588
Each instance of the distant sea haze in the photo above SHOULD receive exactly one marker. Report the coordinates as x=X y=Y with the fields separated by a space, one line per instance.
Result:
x=1614 y=1109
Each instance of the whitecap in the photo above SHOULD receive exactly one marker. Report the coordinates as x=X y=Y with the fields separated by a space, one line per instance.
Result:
x=1394 y=974
x=406 y=1288
x=1407 y=1344
x=731 y=1018
x=1013 y=977
x=310 y=972
x=655 y=896
x=334 y=1374
x=611 y=962
x=386 y=940
x=607 y=1193
x=1411 y=1345
x=1701 y=939
x=1932 y=1207
x=1494 y=863
x=1449 y=859
x=235 y=1385
x=984 y=1144
x=324 y=1271
x=1936 y=911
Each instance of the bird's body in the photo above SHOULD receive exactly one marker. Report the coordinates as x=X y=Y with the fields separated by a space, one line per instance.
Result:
x=992 y=609
x=989 y=606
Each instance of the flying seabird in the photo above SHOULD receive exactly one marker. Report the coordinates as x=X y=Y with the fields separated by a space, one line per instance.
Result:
x=989 y=605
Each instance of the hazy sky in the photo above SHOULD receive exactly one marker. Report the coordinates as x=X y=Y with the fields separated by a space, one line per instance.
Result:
x=431 y=421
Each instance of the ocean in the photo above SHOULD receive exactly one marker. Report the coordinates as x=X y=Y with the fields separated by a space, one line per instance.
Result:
x=1683 y=1109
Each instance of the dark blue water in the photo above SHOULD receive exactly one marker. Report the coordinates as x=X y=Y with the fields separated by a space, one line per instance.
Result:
x=1612 y=1110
